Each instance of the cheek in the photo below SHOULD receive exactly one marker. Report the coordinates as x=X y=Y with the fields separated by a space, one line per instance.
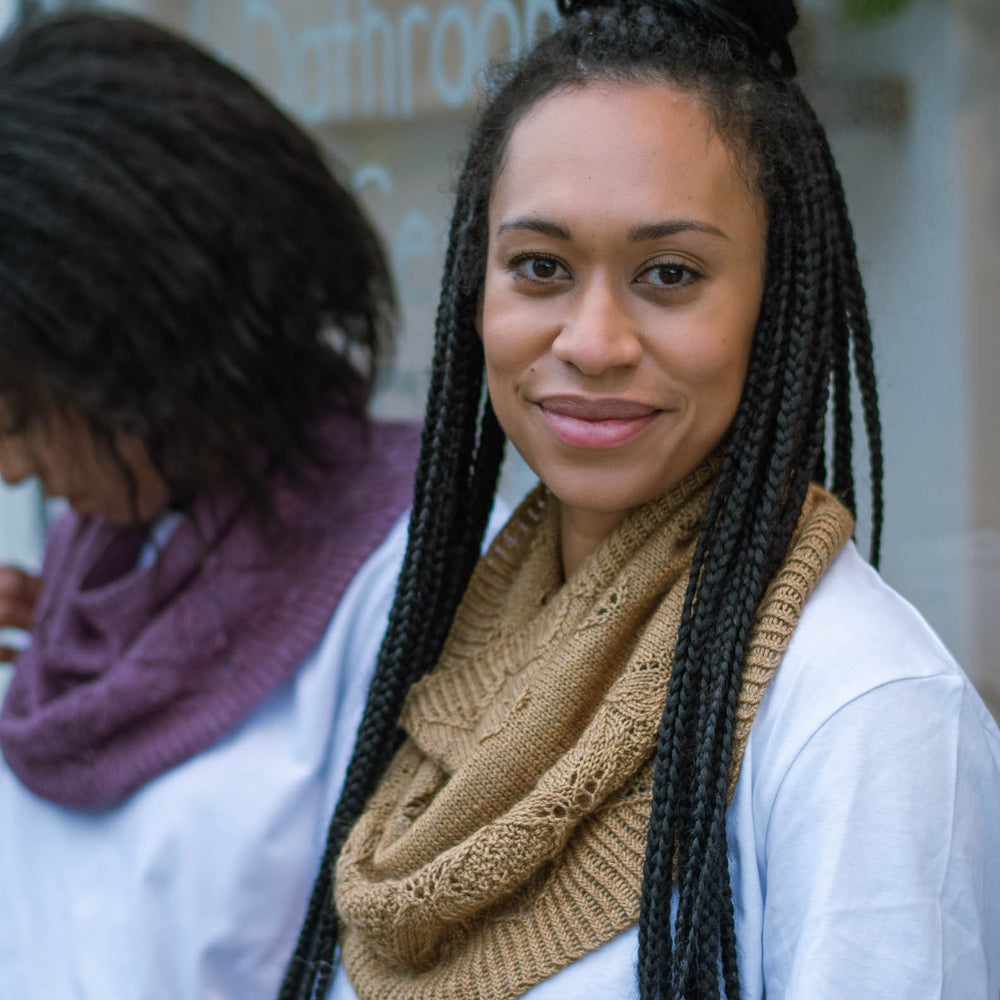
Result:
x=712 y=362
x=509 y=367
x=504 y=360
x=507 y=341
x=502 y=381
x=518 y=337
x=722 y=353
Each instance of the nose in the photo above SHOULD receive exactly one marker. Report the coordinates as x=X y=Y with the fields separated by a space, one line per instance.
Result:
x=600 y=333
x=16 y=464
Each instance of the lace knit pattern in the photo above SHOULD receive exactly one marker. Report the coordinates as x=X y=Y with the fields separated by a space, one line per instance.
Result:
x=507 y=838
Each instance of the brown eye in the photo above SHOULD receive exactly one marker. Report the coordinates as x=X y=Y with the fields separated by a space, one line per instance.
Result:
x=669 y=274
x=541 y=268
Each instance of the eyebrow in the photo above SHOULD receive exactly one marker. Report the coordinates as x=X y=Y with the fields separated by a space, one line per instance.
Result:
x=637 y=234
x=657 y=230
x=535 y=224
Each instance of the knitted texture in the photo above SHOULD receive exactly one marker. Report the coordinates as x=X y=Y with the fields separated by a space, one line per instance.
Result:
x=133 y=671
x=507 y=838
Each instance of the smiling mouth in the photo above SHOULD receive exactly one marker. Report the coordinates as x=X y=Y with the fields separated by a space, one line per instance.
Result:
x=595 y=423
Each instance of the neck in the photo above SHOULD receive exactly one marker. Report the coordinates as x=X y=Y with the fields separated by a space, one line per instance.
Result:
x=581 y=531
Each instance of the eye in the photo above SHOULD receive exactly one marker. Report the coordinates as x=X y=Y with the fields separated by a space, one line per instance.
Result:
x=669 y=274
x=534 y=267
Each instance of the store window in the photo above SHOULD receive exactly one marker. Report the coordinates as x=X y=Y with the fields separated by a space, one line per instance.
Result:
x=908 y=91
x=21 y=514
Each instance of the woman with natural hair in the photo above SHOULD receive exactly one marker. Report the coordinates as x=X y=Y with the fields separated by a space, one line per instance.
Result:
x=191 y=307
x=670 y=736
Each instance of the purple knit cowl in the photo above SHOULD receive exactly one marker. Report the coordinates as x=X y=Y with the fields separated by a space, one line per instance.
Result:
x=132 y=671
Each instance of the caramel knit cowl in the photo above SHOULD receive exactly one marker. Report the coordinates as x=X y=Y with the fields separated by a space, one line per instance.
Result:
x=507 y=837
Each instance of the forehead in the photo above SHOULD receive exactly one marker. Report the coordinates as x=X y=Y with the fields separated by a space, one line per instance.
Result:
x=632 y=148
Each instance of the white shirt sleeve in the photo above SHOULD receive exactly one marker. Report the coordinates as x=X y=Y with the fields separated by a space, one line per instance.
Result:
x=877 y=851
x=196 y=886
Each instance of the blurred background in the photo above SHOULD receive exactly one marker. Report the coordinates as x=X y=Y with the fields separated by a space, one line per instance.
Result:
x=910 y=93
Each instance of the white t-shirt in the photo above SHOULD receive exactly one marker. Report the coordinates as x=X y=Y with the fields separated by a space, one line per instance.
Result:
x=195 y=888
x=864 y=832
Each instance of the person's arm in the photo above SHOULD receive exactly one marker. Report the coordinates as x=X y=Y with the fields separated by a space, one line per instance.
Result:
x=882 y=852
x=19 y=591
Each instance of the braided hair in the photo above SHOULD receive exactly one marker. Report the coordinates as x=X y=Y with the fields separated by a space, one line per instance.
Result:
x=177 y=261
x=734 y=57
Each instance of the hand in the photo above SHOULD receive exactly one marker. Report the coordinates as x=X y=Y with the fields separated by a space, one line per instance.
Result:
x=19 y=592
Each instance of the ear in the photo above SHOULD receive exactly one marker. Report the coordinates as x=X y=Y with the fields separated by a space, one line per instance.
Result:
x=479 y=314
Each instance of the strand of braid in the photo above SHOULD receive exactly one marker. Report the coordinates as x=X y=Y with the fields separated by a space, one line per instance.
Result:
x=856 y=312
x=772 y=455
x=460 y=458
x=696 y=974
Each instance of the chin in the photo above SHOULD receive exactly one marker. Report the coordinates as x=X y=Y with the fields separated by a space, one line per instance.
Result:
x=605 y=495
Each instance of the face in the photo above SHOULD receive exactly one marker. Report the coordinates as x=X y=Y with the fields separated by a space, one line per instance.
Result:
x=62 y=453
x=623 y=283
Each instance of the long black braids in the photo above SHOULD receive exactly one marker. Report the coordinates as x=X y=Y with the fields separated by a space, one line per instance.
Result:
x=735 y=58
x=460 y=456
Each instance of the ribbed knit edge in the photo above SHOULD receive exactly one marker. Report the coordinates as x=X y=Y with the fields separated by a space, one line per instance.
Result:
x=593 y=892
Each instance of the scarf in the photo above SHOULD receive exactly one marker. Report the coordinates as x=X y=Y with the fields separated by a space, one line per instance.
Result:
x=132 y=671
x=507 y=837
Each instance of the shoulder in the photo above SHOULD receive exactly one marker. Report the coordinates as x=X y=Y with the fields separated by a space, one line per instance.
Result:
x=362 y=614
x=867 y=715
x=366 y=601
x=867 y=807
x=853 y=611
x=856 y=636
x=864 y=692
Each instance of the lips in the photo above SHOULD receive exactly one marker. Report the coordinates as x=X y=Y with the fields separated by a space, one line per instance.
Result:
x=583 y=422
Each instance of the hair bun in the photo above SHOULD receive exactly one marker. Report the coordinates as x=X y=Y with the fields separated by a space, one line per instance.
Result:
x=762 y=25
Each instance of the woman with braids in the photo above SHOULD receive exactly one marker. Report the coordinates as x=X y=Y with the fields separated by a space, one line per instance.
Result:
x=190 y=311
x=671 y=736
